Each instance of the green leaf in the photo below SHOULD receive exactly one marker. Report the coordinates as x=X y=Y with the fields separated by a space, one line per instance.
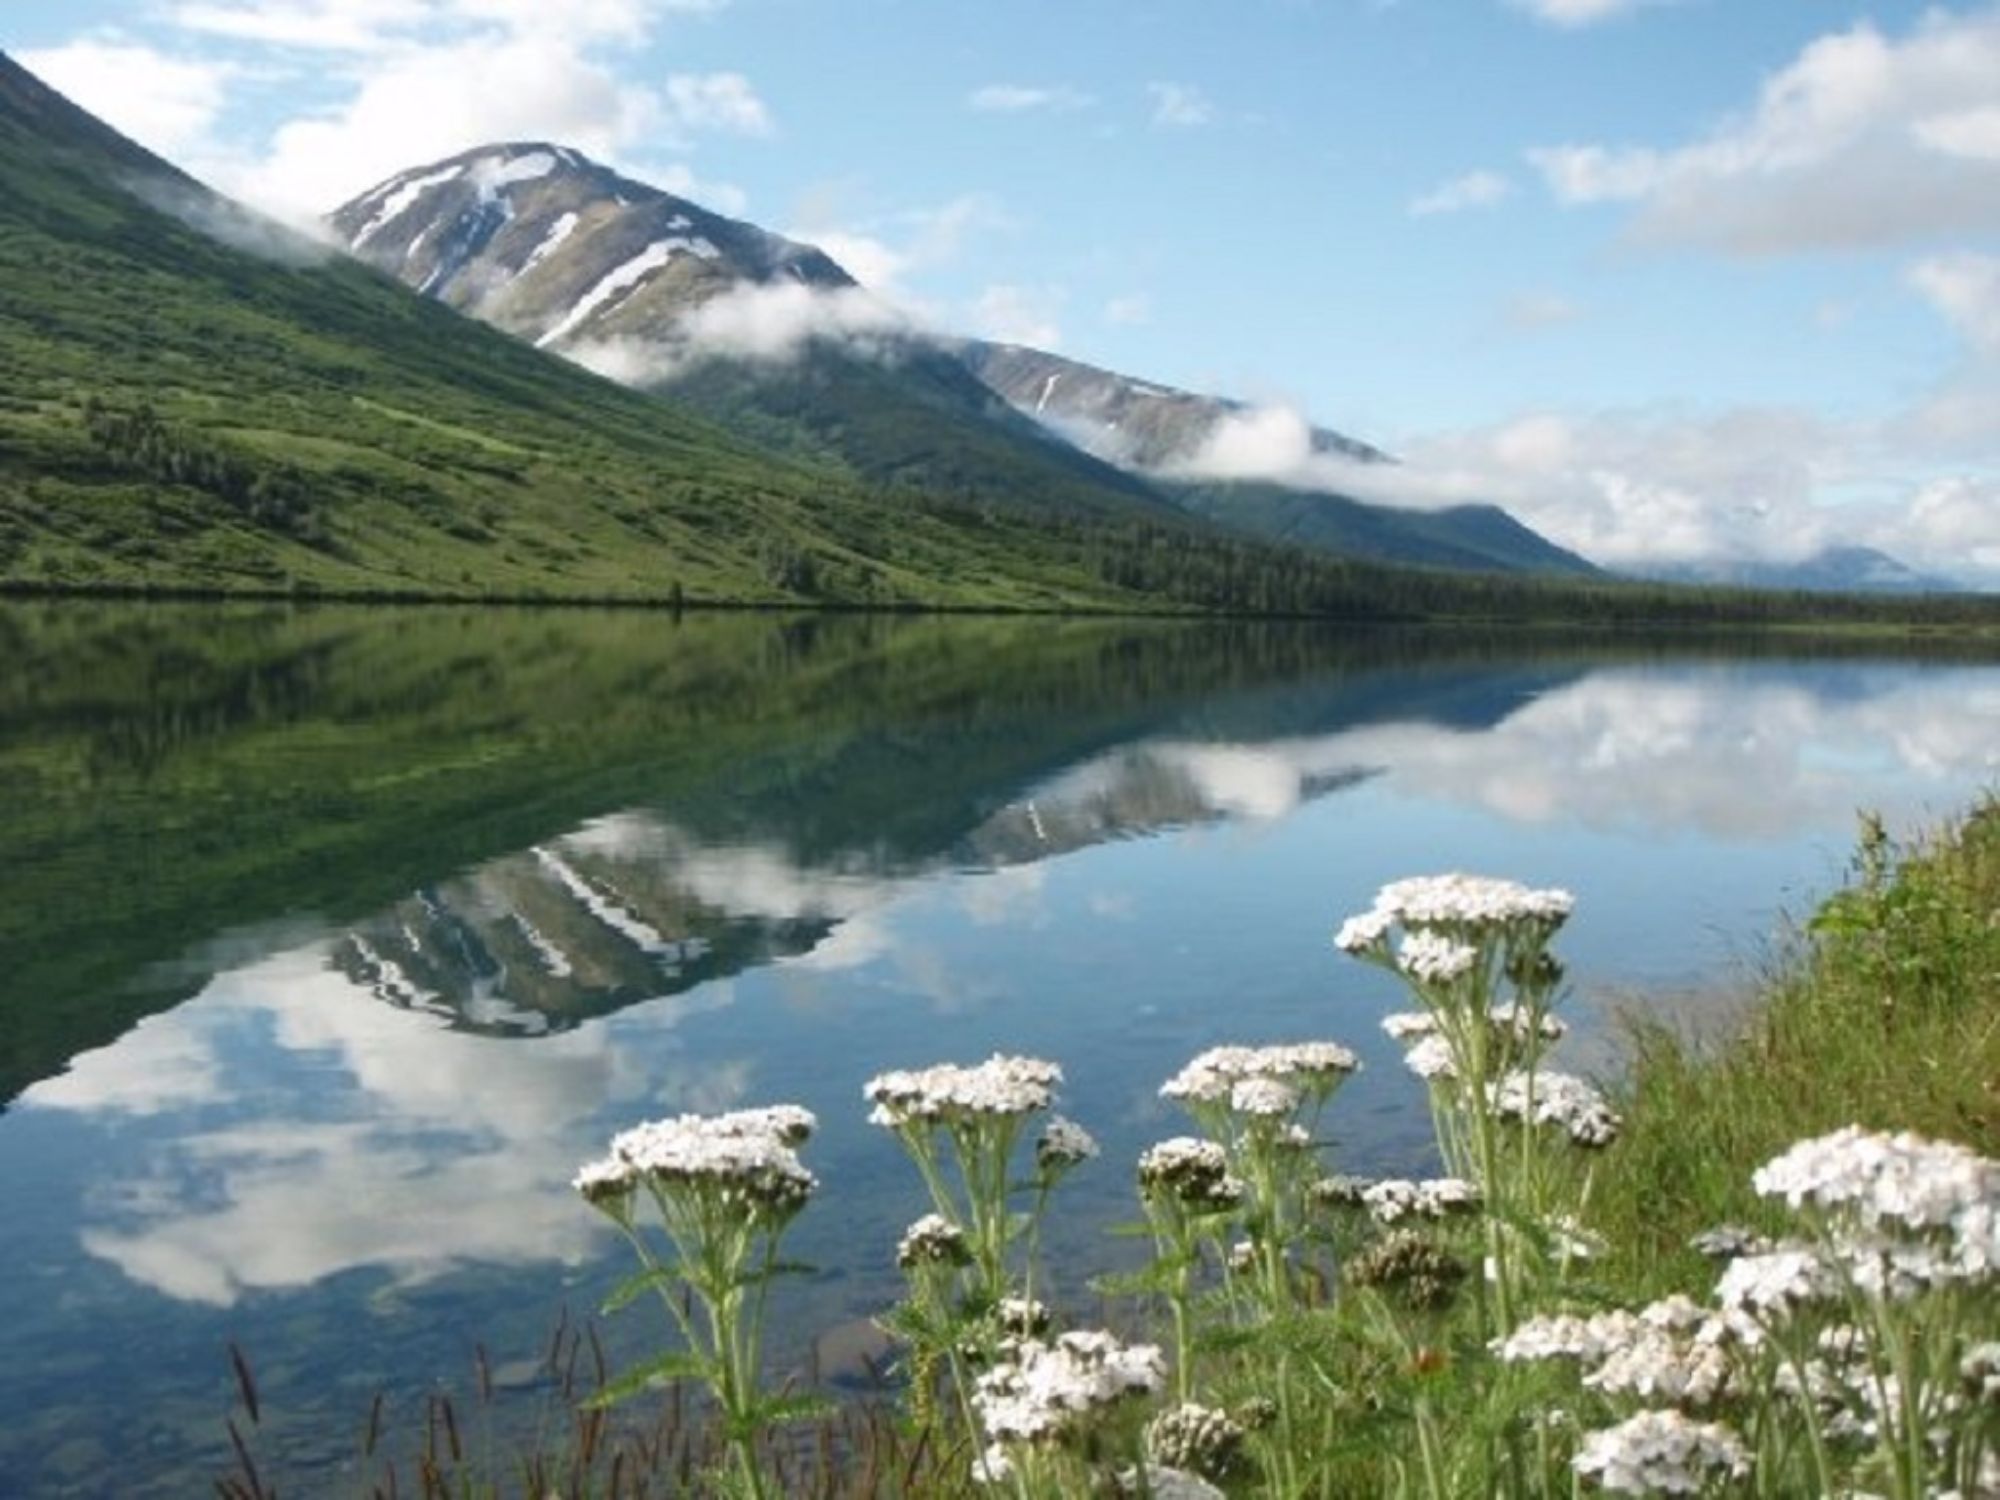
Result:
x=637 y=1285
x=676 y=1364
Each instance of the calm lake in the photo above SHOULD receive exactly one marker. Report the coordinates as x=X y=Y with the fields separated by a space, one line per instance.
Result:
x=332 y=940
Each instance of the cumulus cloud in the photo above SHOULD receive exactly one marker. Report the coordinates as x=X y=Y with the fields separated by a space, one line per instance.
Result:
x=1022 y=98
x=771 y=324
x=881 y=251
x=1965 y=289
x=723 y=102
x=164 y=101
x=1019 y=315
x=1179 y=106
x=1635 y=489
x=412 y=80
x=1474 y=190
x=1863 y=140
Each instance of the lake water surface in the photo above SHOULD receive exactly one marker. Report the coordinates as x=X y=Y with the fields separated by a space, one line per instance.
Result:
x=332 y=940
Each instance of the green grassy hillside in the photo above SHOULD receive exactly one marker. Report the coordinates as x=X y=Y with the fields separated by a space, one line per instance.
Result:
x=176 y=412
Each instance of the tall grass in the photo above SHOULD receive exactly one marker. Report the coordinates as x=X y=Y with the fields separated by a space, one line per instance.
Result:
x=1887 y=1014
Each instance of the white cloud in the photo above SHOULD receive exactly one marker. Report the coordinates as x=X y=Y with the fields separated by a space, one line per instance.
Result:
x=1971 y=133
x=1473 y=190
x=1020 y=98
x=1631 y=489
x=1019 y=315
x=771 y=324
x=1579 y=12
x=722 y=102
x=881 y=252
x=232 y=224
x=1862 y=140
x=321 y=25
x=679 y=179
x=413 y=80
x=1965 y=289
x=1179 y=105
x=430 y=102
x=165 y=102
x=1953 y=524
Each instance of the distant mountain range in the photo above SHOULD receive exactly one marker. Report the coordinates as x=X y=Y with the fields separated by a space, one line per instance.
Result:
x=1859 y=570
x=554 y=248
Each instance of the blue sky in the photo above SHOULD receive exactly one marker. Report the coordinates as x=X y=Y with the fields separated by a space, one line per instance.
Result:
x=1668 y=277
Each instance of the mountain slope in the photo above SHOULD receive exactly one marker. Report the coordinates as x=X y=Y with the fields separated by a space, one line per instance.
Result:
x=1861 y=570
x=1473 y=537
x=192 y=398
x=548 y=245
x=1156 y=429
x=1120 y=419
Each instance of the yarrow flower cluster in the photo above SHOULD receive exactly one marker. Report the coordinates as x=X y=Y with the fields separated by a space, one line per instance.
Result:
x=1868 y=1178
x=1424 y=1275
x=1776 y=1281
x=1396 y=1198
x=1064 y=1144
x=1561 y=1099
x=1263 y=1098
x=1433 y=958
x=1202 y=1439
x=1041 y=1390
x=1001 y=1086
x=744 y=1157
x=1409 y=1025
x=1194 y=1172
x=1460 y=904
x=932 y=1241
x=1657 y=1452
x=1214 y=1075
x=1431 y=1060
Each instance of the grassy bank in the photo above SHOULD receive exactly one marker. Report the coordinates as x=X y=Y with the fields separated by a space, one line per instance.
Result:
x=1887 y=1015
x=1301 y=1335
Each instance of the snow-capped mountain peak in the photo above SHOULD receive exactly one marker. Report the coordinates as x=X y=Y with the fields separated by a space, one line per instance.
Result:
x=556 y=248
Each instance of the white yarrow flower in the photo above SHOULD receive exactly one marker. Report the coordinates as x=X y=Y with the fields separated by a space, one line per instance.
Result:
x=1063 y=1144
x=1000 y=1086
x=1433 y=958
x=1561 y=1099
x=1662 y=1452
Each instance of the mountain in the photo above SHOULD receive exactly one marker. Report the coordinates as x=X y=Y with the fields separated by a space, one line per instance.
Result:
x=193 y=398
x=1123 y=420
x=1474 y=537
x=1839 y=569
x=540 y=241
x=1155 y=429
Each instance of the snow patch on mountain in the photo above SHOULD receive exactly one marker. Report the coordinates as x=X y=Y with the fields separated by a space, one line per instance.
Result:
x=625 y=278
x=492 y=173
x=399 y=199
x=559 y=231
